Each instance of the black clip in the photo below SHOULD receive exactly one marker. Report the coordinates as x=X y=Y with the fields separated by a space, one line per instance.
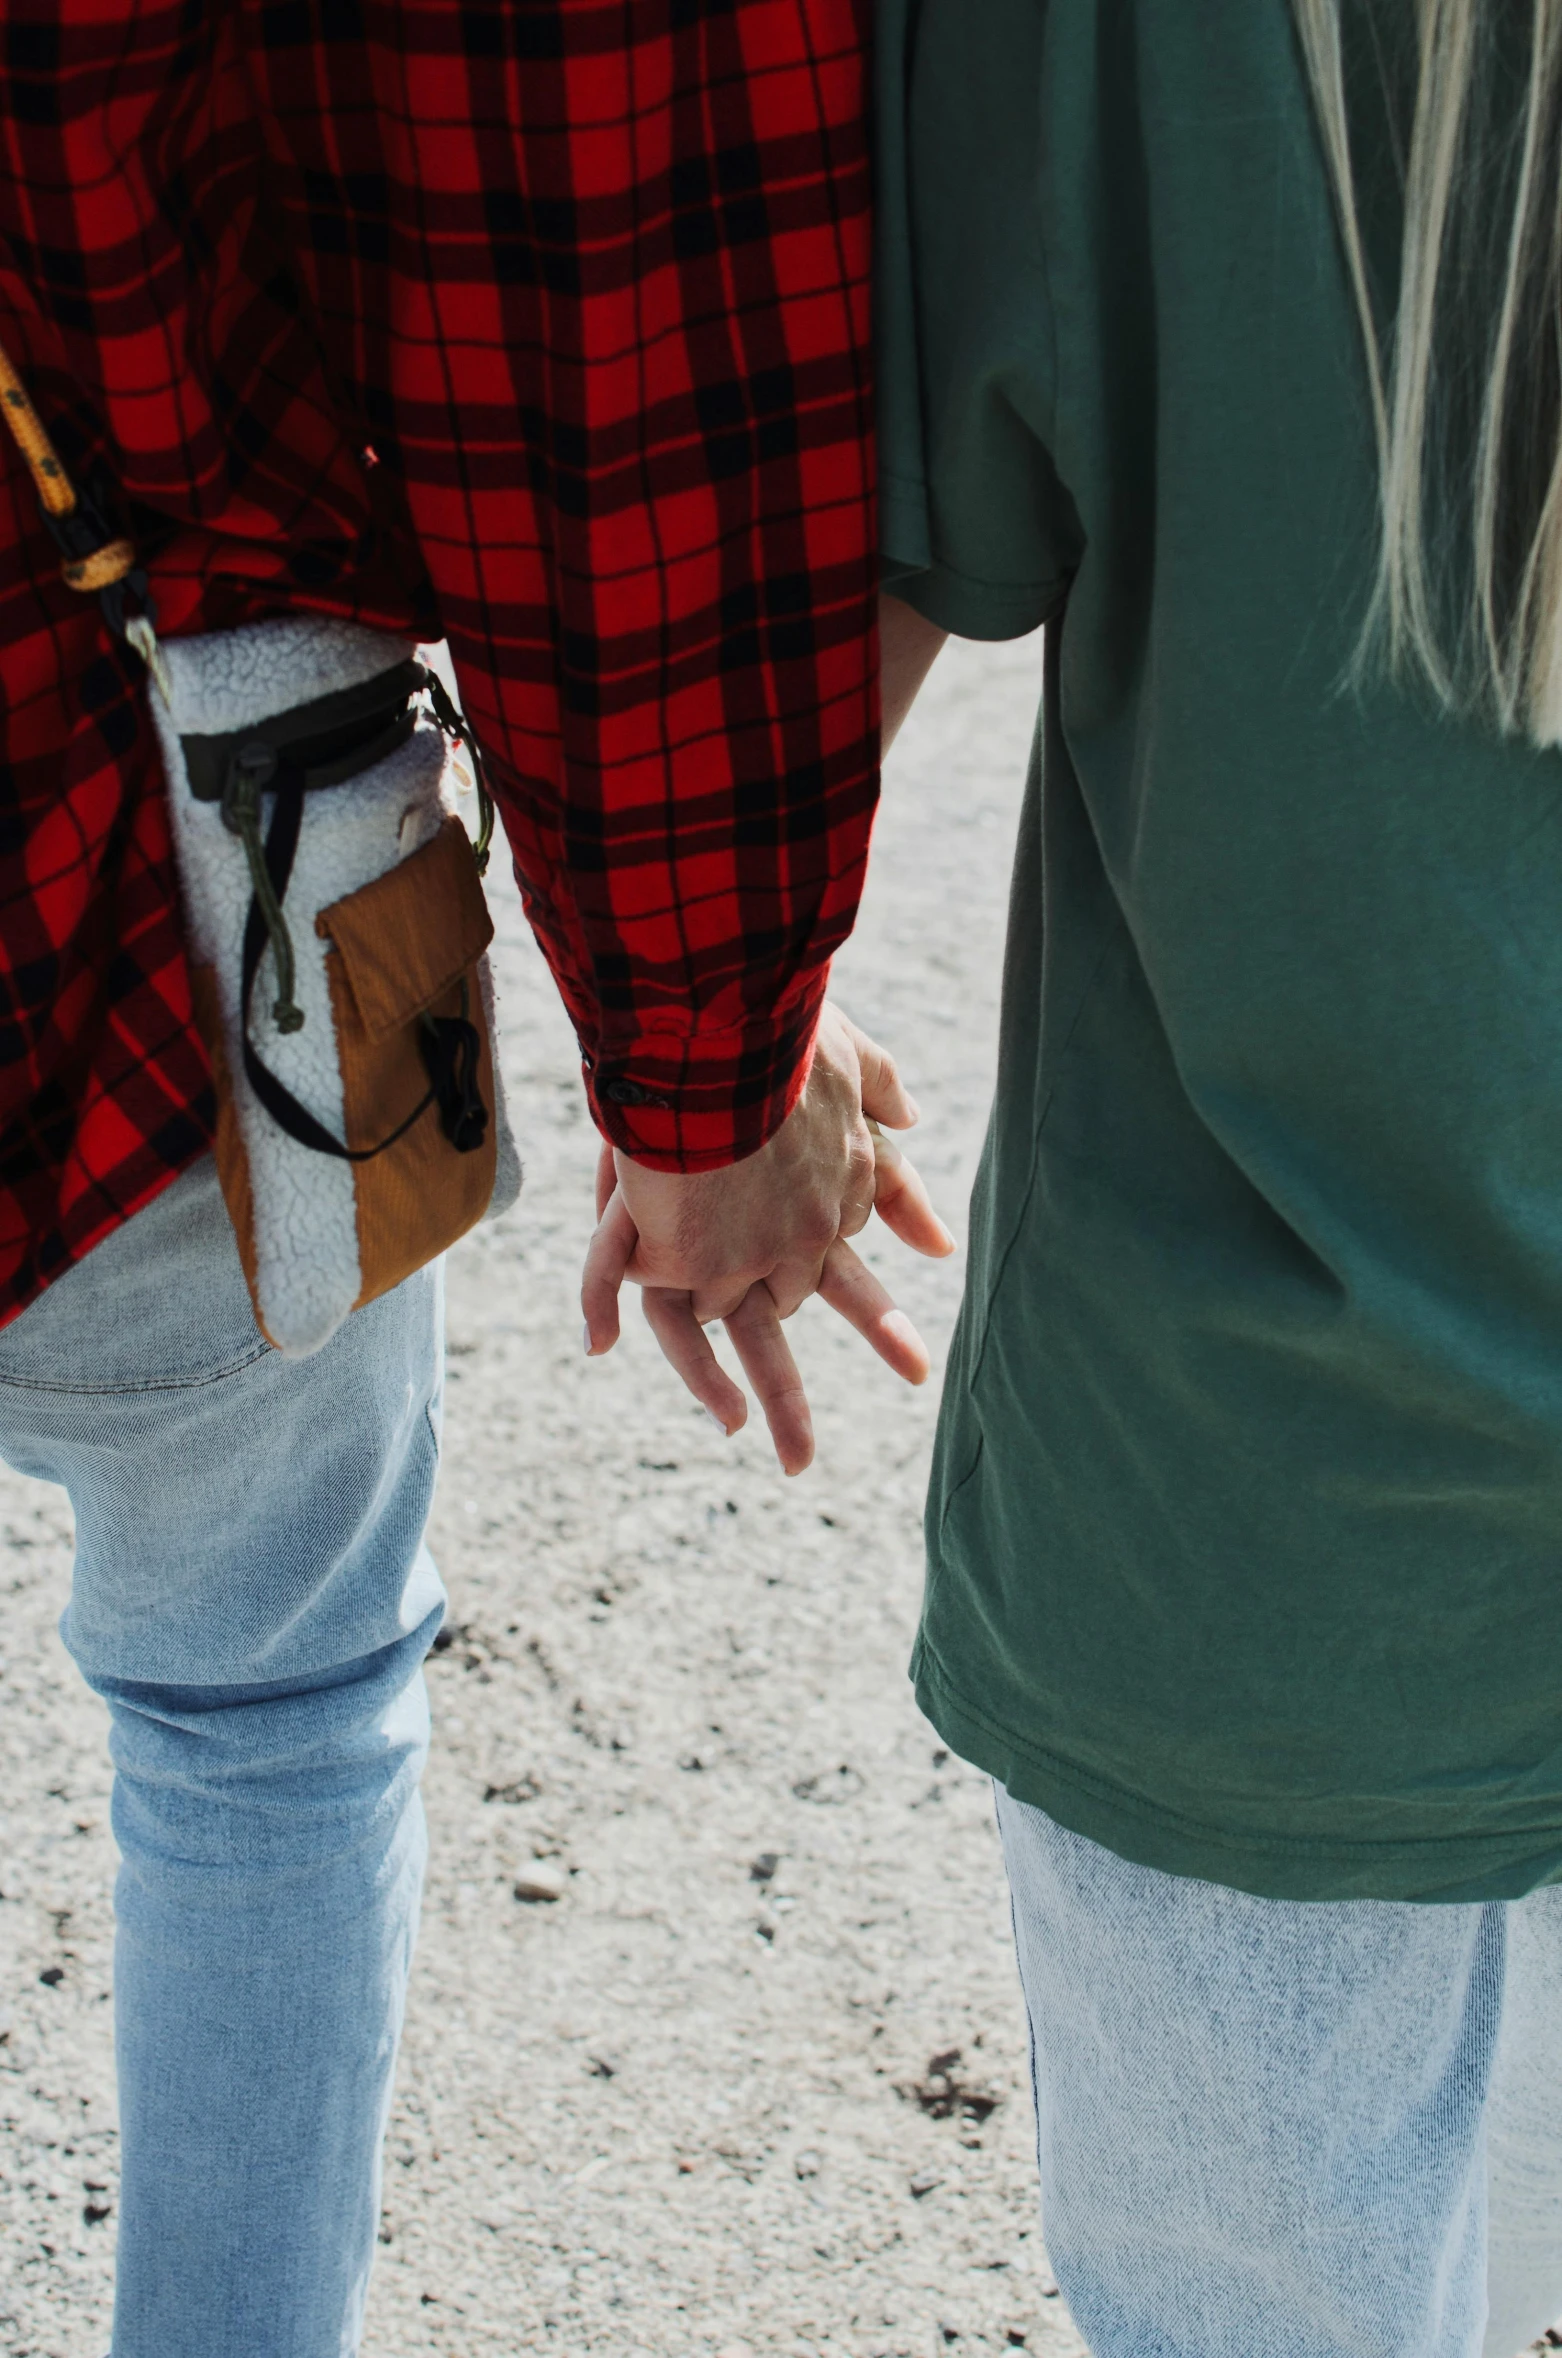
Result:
x=251 y=769
x=112 y=600
x=458 y=729
x=451 y=1051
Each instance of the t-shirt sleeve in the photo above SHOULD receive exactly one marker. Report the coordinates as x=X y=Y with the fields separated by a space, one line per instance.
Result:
x=976 y=527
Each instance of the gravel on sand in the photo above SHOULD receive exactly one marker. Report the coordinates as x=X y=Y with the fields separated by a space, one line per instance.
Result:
x=715 y=2044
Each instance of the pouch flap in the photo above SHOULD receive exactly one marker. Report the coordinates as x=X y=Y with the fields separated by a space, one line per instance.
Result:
x=408 y=936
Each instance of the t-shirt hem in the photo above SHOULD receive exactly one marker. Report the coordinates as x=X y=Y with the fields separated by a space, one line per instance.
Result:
x=956 y=602
x=1436 y=1870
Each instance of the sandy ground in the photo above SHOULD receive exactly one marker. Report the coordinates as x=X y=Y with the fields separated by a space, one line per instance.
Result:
x=758 y=2077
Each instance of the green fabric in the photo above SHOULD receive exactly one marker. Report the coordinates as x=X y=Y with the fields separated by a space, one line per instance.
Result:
x=1246 y=1520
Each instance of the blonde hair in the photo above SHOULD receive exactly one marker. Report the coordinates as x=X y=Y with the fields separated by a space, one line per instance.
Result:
x=1465 y=376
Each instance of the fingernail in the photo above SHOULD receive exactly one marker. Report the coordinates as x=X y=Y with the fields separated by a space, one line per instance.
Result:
x=916 y=1110
x=588 y=1341
x=949 y=1242
x=897 y=1324
x=719 y=1422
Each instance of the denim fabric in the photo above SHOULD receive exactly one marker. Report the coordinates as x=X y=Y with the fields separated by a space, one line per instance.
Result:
x=1324 y=2129
x=253 y=1599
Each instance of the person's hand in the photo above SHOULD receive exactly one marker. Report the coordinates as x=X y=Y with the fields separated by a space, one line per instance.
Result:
x=748 y=1244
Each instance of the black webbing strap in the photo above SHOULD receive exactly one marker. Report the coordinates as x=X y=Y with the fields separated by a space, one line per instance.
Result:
x=450 y=1044
x=333 y=737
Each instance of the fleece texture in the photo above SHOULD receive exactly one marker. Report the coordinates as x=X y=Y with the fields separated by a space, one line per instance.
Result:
x=306 y=1240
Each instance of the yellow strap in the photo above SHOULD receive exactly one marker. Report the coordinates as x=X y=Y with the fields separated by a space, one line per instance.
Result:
x=105 y=565
x=55 y=488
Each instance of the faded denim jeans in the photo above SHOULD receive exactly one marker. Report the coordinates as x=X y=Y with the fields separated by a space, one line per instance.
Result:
x=253 y=1600
x=1275 y=2130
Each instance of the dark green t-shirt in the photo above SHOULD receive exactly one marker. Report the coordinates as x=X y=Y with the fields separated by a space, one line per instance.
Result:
x=1246 y=1521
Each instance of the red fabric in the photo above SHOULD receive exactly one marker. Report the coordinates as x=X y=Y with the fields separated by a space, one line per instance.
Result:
x=538 y=324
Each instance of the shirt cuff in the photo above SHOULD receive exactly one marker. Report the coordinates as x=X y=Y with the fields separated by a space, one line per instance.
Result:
x=701 y=1102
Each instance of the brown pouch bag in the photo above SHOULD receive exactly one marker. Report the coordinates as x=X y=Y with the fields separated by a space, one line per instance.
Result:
x=405 y=951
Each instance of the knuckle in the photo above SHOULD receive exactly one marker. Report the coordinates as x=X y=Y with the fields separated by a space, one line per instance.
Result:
x=817 y=1226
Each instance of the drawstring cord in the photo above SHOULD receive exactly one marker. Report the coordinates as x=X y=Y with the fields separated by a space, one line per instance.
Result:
x=94 y=559
x=252 y=770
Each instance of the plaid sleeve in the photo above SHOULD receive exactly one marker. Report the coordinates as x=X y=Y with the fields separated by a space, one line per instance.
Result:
x=595 y=283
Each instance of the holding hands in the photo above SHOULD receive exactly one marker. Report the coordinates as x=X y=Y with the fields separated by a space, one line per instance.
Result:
x=749 y=1244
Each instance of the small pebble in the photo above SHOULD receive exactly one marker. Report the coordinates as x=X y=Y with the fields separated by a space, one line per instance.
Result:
x=541 y=1880
x=925 y=2181
x=807 y=2165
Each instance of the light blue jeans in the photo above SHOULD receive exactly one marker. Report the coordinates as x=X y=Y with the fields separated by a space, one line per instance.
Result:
x=1273 y=2130
x=253 y=1600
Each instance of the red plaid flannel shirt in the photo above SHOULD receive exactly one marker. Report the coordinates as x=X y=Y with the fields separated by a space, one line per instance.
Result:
x=541 y=325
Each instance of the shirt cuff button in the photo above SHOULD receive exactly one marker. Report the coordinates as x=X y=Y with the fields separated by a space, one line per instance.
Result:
x=629 y=1093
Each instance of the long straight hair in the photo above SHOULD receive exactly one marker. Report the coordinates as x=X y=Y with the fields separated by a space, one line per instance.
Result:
x=1464 y=365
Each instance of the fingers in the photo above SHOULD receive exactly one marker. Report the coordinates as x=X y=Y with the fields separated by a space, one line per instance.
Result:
x=903 y=1204
x=755 y=1328
x=884 y=1095
x=686 y=1348
x=854 y=1291
x=607 y=1257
